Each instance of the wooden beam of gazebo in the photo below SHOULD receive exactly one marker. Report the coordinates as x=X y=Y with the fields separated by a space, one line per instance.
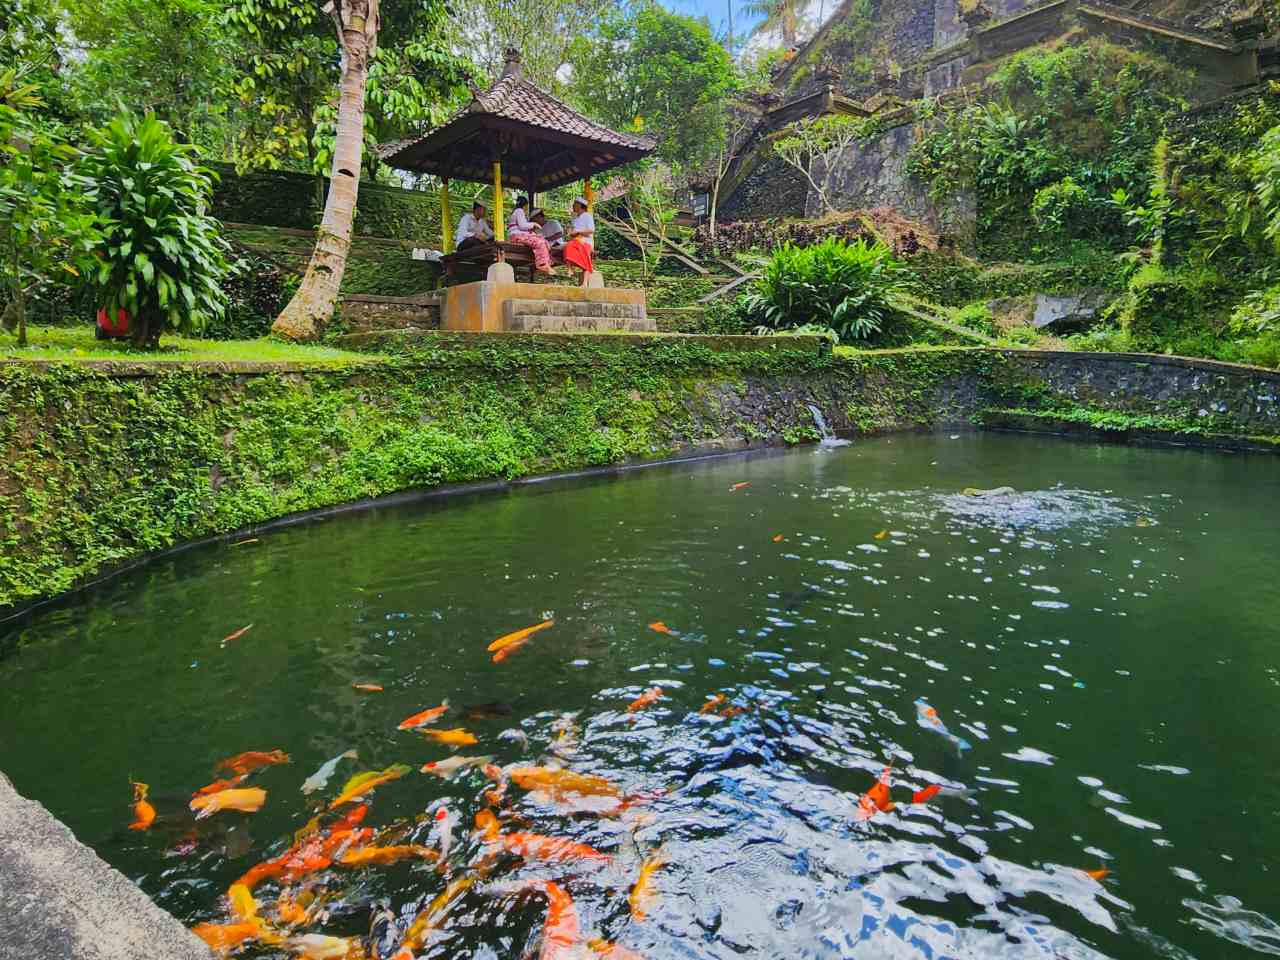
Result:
x=515 y=135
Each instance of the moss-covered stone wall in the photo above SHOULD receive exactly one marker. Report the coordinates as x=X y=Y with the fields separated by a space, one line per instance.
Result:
x=104 y=463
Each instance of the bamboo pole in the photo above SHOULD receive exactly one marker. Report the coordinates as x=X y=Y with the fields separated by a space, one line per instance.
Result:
x=446 y=224
x=499 y=218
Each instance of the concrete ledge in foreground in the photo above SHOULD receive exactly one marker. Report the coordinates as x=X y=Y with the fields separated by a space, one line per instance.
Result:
x=62 y=901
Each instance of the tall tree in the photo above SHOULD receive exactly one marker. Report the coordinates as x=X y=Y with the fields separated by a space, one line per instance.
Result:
x=660 y=72
x=356 y=22
x=542 y=30
x=780 y=15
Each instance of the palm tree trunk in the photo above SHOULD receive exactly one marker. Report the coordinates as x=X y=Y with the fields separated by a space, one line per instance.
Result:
x=312 y=306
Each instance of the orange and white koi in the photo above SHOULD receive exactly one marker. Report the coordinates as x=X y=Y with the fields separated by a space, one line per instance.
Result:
x=642 y=896
x=650 y=696
x=367 y=687
x=927 y=717
x=219 y=785
x=494 y=794
x=363 y=783
x=448 y=768
x=876 y=800
x=425 y=717
x=710 y=705
x=383 y=856
x=444 y=823
x=144 y=814
x=740 y=486
x=659 y=627
x=455 y=738
x=518 y=636
x=250 y=760
x=236 y=634
x=244 y=800
x=778 y=538
x=1099 y=875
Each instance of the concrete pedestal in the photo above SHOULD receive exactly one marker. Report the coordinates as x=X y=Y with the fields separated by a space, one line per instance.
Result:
x=492 y=307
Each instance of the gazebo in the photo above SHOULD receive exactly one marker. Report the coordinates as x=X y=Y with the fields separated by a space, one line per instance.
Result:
x=514 y=135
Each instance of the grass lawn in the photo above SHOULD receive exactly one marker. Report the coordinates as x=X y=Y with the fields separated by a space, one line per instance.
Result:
x=78 y=343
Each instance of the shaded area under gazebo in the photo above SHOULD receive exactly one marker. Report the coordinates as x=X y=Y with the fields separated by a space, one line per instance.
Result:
x=512 y=135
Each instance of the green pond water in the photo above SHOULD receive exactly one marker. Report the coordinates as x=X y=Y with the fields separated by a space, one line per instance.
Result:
x=1107 y=640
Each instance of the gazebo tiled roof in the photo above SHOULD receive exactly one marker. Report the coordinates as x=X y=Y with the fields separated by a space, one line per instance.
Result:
x=540 y=141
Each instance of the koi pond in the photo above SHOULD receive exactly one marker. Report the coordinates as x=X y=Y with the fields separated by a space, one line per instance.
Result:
x=815 y=704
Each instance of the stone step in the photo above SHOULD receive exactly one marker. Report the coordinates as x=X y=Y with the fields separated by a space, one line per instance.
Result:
x=574 y=308
x=565 y=323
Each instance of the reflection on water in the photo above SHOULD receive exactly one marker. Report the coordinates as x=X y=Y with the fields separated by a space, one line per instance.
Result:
x=1102 y=640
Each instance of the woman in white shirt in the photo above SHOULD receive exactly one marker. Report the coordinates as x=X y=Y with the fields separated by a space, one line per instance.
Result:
x=582 y=231
x=526 y=233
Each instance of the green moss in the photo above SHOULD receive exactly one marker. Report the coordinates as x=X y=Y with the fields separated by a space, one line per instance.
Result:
x=78 y=343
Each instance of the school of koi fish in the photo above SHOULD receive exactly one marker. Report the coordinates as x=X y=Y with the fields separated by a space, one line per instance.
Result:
x=281 y=901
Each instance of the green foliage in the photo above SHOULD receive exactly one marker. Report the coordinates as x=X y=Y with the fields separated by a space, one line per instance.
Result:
x=816 y=147
x=848 y=287
x=167 y=57
x=977 y=317
x=658 y=72
x=162 y=256
x=953 y=280
x=1065 y=210
x=46 y=228
x=1089 y=112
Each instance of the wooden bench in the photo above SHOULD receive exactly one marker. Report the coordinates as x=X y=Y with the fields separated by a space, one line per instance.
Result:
x=473 y=263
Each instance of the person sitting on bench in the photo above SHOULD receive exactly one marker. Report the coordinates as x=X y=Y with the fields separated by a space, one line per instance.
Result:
x=473 y=229
x=552 y=230
x=528 y=234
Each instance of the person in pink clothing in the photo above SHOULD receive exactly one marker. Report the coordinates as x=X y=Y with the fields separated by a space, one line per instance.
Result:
x=522 y=230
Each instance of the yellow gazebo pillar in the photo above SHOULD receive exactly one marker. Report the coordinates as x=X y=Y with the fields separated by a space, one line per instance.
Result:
x=499 y=218
x=589 y=195
x=446 y=221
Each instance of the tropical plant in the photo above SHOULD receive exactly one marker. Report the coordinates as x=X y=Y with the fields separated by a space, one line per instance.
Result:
x=46 y=229
x=849 y=287
x=161 y=256
x=780 y=15
x=649 y=209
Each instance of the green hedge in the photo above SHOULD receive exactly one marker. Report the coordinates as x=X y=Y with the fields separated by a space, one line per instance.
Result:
x=282 y=198
x=953 y=280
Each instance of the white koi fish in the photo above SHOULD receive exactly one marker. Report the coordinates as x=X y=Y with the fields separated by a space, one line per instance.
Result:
x=319 y=779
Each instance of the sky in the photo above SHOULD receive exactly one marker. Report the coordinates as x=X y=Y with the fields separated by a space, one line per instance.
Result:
x=717 y=13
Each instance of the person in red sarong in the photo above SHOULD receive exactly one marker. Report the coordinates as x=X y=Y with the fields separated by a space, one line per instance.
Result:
x=582 y=231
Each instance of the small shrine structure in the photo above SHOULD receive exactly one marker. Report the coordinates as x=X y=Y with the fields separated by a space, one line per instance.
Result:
x=514 y=135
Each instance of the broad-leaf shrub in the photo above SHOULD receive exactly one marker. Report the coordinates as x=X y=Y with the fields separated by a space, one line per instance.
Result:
x=161 y=258
x=848 y=287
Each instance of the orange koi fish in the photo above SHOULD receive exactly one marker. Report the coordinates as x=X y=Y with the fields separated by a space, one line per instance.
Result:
x=519 y=636
x=779 y=538
x=227 y=936
x=509 y=650
x=236 y=634
x=245 y=800
x=876 y=800
x=144 y=814
x=1098 y=875
x=219 y=785
x=425 y=717
x=732 y=711
x=493 y=796
x=313 y=853
x=927 y=794
x=739 y=486
x=455 y=738
x=367 y=687
x=250 y=760
x=383 y=856
x=711 y=704
x=557 y=781
x=363 y=783
x=659 y=627
x=650 y=696
x=289 y=911
x=436 y=911
x=447 y=768
x=642 y=895
x=536 y=846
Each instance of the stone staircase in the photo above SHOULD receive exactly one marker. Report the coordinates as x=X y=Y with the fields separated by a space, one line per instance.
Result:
x=573 y=316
